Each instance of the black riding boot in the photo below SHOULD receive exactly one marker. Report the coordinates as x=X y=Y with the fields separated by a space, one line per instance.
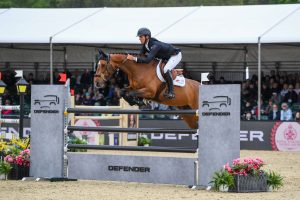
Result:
x=170 y=93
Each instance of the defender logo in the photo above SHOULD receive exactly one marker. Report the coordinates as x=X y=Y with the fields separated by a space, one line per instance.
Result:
x=46 y=103
x=216 y=105
x=128 y=168
x=218 y=102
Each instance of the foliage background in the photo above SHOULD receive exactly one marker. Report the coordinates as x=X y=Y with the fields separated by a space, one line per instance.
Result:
x=131 y=3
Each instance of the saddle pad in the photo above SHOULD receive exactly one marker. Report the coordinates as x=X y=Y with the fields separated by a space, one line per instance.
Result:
x=178 y=81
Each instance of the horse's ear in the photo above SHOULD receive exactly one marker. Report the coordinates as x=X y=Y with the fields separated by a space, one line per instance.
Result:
x=102 y=55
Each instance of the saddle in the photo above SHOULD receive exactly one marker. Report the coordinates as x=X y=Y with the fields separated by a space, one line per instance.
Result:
x=175 y=72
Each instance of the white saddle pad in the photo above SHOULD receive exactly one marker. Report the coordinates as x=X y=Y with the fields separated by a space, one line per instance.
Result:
x=178 y=81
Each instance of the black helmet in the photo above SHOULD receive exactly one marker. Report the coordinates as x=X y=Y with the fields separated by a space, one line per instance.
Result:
x=143 y=31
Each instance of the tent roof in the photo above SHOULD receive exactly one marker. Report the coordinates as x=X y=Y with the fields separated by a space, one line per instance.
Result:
x=232 y=24
x=37 y=25
x=178 y=25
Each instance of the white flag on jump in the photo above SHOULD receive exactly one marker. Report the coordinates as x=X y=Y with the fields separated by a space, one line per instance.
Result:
x=204 y=77
x=19 y=73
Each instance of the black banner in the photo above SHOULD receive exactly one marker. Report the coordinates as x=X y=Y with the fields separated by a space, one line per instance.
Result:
x=254 y=135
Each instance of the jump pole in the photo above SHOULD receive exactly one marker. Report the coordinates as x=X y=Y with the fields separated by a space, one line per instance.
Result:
x=123 y=119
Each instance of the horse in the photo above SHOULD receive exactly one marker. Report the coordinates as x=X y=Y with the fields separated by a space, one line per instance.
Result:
x=144 y=83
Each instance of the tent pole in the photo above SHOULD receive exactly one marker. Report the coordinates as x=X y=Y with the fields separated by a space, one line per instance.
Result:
x=51 y=61
x=259 y=79
x=246 y=68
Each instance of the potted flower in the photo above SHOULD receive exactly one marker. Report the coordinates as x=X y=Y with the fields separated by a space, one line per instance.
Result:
x=274 y=180
x=20 y=164
x=144 y=141
x=248 y=175
x=222 y=181
x=5 y=168
x=16 y=154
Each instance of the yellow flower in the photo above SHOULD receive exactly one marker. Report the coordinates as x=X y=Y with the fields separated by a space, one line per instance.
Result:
x=22 y=143
x=3 y=145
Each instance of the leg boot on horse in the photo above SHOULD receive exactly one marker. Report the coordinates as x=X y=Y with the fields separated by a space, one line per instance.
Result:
x=170 y=92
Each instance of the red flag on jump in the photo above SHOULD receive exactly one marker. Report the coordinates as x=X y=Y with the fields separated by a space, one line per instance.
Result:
x=63 y=77
x=72 y=92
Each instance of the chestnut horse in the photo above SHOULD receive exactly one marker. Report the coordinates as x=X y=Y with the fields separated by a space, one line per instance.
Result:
x=144 y=83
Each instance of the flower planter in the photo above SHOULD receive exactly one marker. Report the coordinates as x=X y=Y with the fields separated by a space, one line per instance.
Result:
x=250 y=183
x=18 y=172
x=270 y=188
x=223 y=188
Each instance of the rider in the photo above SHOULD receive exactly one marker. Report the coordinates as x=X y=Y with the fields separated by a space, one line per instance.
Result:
x=160 y=50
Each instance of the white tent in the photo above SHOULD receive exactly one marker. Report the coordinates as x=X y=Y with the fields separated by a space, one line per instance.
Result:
x=177 y=25
x=192 y=26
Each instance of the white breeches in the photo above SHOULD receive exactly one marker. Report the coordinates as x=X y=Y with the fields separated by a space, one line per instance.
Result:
x=172 y=62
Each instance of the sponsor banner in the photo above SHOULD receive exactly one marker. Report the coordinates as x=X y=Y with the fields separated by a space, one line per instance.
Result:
x=265 y=135
x=285 y=136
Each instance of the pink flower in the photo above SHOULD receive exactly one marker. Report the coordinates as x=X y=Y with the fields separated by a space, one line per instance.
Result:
x=228 y=168
x=9 y=159
x=27 y=151
x=236 y=161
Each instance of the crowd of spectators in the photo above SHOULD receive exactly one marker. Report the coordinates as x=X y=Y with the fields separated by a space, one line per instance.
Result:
x=280 y=93
x=280 y=97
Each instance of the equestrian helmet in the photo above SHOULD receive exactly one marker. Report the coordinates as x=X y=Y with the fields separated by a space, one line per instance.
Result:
x=143 y=31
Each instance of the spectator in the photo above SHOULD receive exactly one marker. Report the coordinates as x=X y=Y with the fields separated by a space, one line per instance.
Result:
x=266 y=92
x=98 y=97
x=284 y=90
x=274 y=113
x=7 y=112
x=31 y=79
x=286 y=113
x=78 y=99
x=249 y=116
x=269 y=107
x=87 y=100
x=253 y=90
x=262 y=109
x=291 y=96
x=275 y=88
x=247 y=107
x=276 y=98
x=297 y=116
x=297 y=88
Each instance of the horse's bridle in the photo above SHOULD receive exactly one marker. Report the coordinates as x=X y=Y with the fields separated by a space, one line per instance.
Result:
x=106 y=67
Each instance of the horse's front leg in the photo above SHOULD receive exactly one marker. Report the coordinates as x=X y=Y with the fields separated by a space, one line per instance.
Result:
x=131 y=97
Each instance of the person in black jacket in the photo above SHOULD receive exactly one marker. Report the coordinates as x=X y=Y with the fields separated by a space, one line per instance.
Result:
x=154 y=48
x=275 y=113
